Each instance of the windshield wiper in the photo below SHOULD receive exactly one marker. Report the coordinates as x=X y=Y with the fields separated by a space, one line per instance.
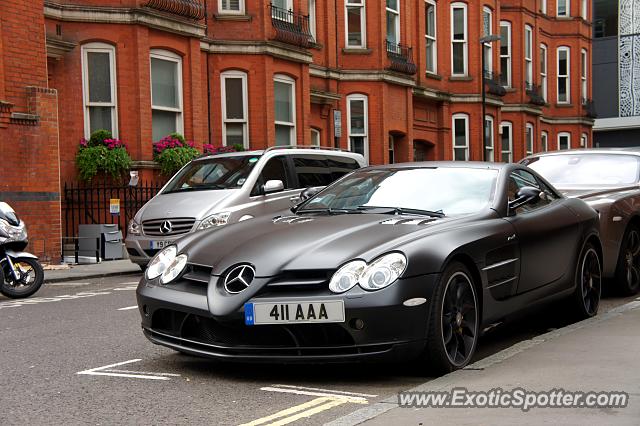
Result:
x=404 y=210
x=329 y=210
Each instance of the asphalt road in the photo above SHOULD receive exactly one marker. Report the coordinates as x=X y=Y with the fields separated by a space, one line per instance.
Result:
x=92 y=328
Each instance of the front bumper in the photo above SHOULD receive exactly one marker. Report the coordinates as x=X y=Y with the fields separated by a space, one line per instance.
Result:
x=178 y=316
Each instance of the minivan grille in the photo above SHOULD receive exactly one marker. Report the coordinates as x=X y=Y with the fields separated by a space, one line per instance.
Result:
x=178 y=226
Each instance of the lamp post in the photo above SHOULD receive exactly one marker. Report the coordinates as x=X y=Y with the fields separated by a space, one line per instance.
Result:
x=484 y=40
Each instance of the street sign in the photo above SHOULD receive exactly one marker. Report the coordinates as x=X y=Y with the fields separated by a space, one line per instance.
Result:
x=337 y=123
x=114 y=206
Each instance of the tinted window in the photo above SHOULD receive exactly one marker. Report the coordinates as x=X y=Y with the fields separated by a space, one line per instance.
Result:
x=320 y=170
x=275 y=169
x=521 y=178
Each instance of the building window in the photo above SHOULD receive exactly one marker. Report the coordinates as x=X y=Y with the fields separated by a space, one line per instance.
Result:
x=488 y=131
x=583 y=141
x=284 y=93
x=312 y=18
x=544 y=142
x=528 y=138
x=460 y=137
x=235 y=7
x=166 y=93
x=564 y=67
x=99 y=88
x=528 y=55
x=356 y=24
x=393 y=22
x=234 y=108
x=562 y=8
x=430 y=36
x=543 y=71
x=584 y=9
x=506 y=142
x=487 y=26
x=564 y=140
x=583 y=75
x=459 y=39
x=505 y=53
x=358 y=120
x=315 y=137
x=543 y=6
x=392 y=149
x=282 y=4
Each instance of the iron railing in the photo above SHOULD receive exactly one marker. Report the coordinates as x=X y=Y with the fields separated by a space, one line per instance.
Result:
x=89 y=204
x=589 y=108
x=493 y=83
x=291 y=27
x=401 y=57
x=534 y=92
x=190 y=9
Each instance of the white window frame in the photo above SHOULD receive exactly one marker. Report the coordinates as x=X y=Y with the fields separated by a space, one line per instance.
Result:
x=465 y=117
x=509 y=152
x=312 y=18
x=584 y=140
x=543 y=6
x=464 y=41
x=392 y=149
x=490 y=140
x=365 y=135
x=507 y=25
x=281 y=78
x=488 y=46
x=528 y=60
x=245 y=107
x=567 y=76
x=568 y=136
x=363 y=23
x=584 y=61
x=433 y=38
x=166 y=55
x=315 y=136
x=544 y=70
x=544 y=141
x=568 y=8
x=288 y=7
x=529 y=144
x=223 y=11
x=584 y=5
x=396 y=13
x=111 y=50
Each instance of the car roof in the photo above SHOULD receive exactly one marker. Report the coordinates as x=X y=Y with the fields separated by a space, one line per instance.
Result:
x=616 y=151
x=444 y=164
x=286 y=151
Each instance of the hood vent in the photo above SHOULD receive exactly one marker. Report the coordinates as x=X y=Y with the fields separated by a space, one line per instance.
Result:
x=291 y=219
x=405 y=221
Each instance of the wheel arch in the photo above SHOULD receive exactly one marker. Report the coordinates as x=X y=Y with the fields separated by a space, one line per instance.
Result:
x=467 y=261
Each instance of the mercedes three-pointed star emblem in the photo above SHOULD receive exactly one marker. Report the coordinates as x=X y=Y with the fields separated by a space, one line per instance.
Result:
x=166 y=227
x=239 y=278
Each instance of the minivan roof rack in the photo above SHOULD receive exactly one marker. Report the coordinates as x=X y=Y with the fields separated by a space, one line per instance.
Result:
x=272 y=148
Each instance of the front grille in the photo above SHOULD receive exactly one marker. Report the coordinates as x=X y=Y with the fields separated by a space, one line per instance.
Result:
x=300 y=280
x=197 y=274
x=179 y=226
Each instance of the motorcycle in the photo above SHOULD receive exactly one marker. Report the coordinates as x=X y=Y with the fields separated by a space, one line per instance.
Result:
x=22 y=273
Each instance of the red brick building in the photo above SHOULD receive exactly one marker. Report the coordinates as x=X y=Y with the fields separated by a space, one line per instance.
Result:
x=398 y=80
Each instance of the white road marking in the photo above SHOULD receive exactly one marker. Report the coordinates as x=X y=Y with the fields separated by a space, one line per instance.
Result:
x=131 y=287
x=38 y=300
x=128 y=308
x=108 y=370
x=331 y=391
x=354 y=399
x=66 y=284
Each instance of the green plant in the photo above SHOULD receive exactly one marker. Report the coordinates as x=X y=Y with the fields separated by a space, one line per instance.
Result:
x=102 y=154
x=172 y=152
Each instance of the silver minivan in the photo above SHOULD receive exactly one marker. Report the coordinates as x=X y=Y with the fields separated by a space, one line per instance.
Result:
x=215 y=190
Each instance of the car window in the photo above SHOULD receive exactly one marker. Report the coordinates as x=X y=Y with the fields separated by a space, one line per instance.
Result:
x=274 y=169
x=521 y=178
x=321 y=170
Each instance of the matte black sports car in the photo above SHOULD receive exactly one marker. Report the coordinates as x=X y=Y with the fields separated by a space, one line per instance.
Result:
x=398 y=261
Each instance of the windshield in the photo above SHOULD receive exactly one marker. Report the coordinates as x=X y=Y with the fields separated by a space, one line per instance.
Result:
x=451 y=191
x=587 y=169
x=213 y=173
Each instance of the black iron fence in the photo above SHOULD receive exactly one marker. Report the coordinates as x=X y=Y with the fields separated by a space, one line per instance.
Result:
x=291 y=27
x=103 y=203
x=401 y=57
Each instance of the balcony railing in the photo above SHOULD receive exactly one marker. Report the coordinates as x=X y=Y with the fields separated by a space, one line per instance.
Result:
x=589 y=108
x=190 y=9
x=493 y=83
x=535 y=94
x=401 y=58
x=291 y=27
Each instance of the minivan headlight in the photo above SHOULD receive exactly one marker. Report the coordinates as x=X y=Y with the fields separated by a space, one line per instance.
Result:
x=215 y=220
x=161 y=261
x=134 y=227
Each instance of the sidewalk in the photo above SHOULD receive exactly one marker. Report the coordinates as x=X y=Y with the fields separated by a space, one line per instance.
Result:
x=600 y=354
x=105 y=268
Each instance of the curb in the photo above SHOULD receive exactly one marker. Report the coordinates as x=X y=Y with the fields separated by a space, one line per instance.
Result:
x=448 y=380
x=88 y=276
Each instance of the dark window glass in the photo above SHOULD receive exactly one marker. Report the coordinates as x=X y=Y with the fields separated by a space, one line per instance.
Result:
x=321 y=170
x=605 y=18
x=520 y=179
x=275 y=169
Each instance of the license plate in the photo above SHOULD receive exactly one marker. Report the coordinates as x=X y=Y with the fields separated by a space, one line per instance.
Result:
x=293 y=312
x=159 y=245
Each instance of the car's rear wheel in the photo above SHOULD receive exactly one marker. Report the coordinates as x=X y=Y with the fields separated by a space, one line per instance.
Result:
x=588 y=280
x=454 y=323
x=628 y=267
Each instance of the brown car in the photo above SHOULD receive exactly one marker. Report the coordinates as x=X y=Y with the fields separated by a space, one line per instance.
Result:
x=609 y=181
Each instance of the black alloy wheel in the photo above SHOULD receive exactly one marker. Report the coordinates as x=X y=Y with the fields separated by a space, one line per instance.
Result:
x=588 y=282
x=628 y=267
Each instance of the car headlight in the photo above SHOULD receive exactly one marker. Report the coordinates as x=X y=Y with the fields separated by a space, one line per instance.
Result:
x=218 y=219
x=383 y=271
x=174 y=269
x=347 y=276
x=14 y=233
x=160 y=263
x=379 y=274
x=134 y=227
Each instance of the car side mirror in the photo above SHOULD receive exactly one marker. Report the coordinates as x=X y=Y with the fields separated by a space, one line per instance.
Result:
x=272 y=186
x=525 y=195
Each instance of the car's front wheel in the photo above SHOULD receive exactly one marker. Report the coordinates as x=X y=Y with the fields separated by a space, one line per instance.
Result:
x=628 y=267
x=454 y=323
x=588 y=281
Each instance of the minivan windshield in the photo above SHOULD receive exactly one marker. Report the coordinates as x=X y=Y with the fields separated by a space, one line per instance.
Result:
x=213 y=173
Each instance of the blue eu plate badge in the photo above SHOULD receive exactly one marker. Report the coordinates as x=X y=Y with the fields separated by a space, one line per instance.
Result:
x=249 y=317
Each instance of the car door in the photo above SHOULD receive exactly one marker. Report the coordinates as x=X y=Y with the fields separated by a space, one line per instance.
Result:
x=547 y=232
x=276 y=168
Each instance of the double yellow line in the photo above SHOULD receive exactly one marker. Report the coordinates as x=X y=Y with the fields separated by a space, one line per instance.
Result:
x=298 y=412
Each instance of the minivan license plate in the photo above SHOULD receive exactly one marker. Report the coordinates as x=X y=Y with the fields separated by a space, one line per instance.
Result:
x=159 y=245
x=293 y=312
